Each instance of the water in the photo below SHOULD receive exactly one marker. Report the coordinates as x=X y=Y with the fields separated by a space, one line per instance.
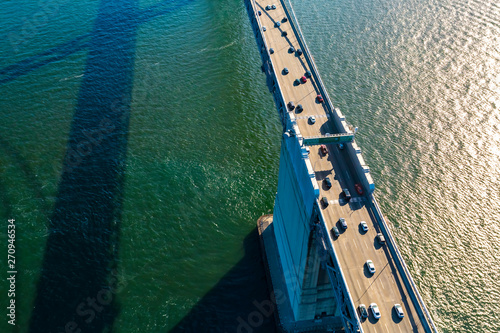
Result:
x=171 y=242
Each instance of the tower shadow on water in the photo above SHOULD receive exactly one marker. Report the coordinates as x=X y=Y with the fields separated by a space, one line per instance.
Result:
x=76 y=287
x=239 y=302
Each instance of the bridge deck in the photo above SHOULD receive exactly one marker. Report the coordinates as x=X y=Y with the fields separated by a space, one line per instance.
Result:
x=353 y=246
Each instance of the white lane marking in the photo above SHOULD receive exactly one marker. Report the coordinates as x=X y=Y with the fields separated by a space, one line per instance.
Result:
x=345 y=245
x=386 y=328
x=366 y=244
x=382 y=284
x=359 y=286
x=315 y=115
x=355 y=244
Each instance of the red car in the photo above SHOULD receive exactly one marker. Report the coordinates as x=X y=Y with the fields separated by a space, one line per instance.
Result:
x=319 y=98
x=303 y=79
x=358 y=188
x=323 y=149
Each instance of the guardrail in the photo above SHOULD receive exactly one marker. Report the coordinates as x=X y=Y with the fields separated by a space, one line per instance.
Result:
x=279 y=95
x=398 y=258
x=310 y=61
x=329 y=105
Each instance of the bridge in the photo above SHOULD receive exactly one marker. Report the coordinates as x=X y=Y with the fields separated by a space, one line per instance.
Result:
x=324 y=277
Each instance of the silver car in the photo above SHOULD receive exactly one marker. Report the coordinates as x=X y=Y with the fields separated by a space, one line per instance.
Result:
x=399 y=310
x=375 y=310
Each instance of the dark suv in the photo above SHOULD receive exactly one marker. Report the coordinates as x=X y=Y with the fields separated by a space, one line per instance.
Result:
x=347 y=194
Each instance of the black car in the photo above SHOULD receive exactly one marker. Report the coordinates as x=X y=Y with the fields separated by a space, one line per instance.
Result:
x=284 y=34
x=335 y=232
x=347 y=194
x=285 y=71
x=284 y=20
x=291 y=106
x=291 y=49
x=308 y=74
x=299 y=52
x=362 y=311
x=299 y=108
x=328 y=182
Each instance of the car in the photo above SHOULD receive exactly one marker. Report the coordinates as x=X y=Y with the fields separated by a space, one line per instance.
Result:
x=362 y=311
x=358 y=188
x=319 y=98
x=335 y=232
x=312 y=119
x=291 y=49
x=346 y=194
x=328 y=182
x=381 y=238
x=273 y=6
x=308 y=74
x=285 y=71
x=399 y=310
x=284 y=20
x=284 y=34
x=303 y=79
x=264 y=28
x=260 y=13
x=290 y=106
x=375 y=310
x=341 y=146
x=299 y=108
x=323 y=149
x=370 y=266
x=271 y=50
x=324 y=200
x=268 y=7
x=364 y=226
x=277 y=24
x=343 y=222
x=299 y=52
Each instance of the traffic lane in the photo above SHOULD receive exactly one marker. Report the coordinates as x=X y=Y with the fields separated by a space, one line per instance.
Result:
x=354 y=248
x=283 y=47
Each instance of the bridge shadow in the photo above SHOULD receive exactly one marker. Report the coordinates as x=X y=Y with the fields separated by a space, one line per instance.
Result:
x=76 y=288
x=234 y=303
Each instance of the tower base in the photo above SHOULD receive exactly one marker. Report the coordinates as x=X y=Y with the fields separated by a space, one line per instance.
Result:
x=283 y=313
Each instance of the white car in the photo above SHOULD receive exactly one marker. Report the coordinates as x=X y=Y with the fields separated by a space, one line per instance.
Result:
x=364 y=226
x=312 y=119
x=371 y=266
x=375 y=310
x=399 y=310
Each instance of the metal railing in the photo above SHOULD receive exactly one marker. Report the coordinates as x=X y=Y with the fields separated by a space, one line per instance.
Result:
x=279 y=94
x=300 y=37
x=402 y=263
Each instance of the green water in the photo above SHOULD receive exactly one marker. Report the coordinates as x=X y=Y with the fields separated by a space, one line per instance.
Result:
x=421 y=80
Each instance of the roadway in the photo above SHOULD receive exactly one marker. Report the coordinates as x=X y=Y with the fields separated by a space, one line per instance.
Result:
x=353 y=246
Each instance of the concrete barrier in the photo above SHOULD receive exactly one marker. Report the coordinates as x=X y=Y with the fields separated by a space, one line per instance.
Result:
x=410 y=285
